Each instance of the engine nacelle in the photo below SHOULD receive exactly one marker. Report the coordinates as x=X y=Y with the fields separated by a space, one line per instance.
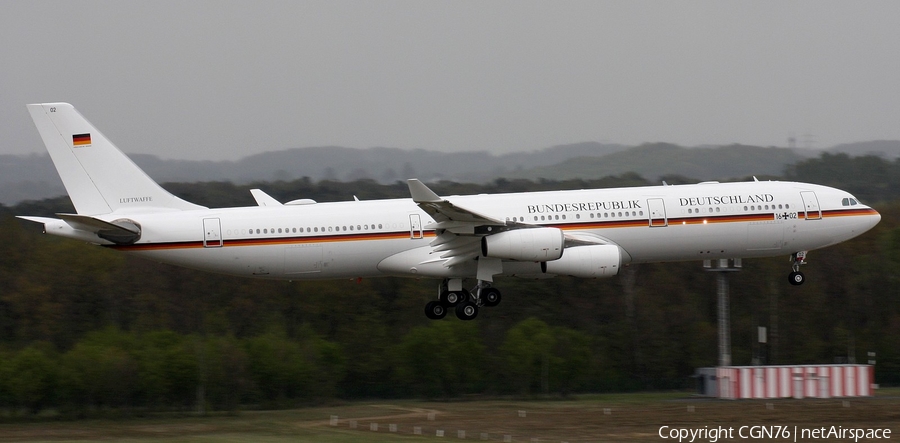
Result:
x=535 y=244
x=587 y=262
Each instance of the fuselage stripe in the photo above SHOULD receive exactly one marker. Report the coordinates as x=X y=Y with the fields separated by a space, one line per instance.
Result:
x=613 y=224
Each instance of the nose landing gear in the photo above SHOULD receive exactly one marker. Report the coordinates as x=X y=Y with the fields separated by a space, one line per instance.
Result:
x=796 y=277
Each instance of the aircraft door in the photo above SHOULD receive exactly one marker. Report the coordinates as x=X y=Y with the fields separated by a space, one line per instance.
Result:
x=811 y=205
x=657 y=208
x=415 y=226
x=212 y=233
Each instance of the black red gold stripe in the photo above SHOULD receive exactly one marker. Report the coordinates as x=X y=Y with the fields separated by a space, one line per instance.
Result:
x=284 y=241
x=577 y=226
x=81 y=139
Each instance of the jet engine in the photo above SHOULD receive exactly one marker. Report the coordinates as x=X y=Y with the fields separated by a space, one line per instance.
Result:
x=596 y=261
x=534 y=244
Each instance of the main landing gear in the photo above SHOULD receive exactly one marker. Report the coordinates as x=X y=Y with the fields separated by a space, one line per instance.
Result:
x=466 y=303
x=796 y=277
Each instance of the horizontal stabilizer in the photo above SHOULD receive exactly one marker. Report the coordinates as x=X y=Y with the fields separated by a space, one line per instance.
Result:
x=122 y=232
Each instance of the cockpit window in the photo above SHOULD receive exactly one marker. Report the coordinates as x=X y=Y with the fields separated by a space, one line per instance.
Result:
x=849 y=202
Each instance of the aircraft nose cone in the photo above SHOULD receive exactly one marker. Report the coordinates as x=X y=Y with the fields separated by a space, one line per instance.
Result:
x=872 y=220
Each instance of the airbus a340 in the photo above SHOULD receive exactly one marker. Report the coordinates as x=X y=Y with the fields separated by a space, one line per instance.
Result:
x=588 y=233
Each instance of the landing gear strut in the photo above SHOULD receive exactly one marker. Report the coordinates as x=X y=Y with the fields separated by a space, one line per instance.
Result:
x=796 y=277
x=466 y=304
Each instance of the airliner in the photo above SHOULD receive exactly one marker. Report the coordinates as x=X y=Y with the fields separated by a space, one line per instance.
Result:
x=589 y=233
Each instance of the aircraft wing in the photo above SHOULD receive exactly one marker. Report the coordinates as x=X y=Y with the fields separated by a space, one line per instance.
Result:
x=459 y=230
x=445 y=212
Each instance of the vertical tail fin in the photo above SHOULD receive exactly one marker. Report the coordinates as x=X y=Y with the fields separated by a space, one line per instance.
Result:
x=99 y=178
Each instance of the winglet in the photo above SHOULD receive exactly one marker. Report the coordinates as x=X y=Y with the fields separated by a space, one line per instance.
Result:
x=421 y=193
x=263 y=199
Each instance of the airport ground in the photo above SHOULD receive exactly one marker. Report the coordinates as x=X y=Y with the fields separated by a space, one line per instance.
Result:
x=608 y=418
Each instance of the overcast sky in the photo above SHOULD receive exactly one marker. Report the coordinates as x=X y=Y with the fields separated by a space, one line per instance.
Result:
x=226 y=79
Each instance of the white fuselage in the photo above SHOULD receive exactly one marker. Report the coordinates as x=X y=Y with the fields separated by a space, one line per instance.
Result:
x=391 y=237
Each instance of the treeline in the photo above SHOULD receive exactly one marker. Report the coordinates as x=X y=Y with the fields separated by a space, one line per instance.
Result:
x=87 y=329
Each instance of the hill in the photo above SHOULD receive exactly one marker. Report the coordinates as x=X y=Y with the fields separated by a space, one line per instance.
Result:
x=33 y=177
x=659 y=159
x=883 y=148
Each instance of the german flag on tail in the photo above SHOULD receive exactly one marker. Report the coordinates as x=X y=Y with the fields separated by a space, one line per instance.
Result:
x=79 y=140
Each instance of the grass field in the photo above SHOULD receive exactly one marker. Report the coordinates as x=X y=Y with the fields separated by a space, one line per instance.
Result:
x=608 y=418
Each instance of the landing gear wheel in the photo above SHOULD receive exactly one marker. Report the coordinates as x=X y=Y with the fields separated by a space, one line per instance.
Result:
x=453 y=298
x=796 y=278
x=466 y=310
x=435 y=310
x=490 y=297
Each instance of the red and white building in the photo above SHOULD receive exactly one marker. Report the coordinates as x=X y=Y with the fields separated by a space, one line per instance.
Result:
x=799 y=381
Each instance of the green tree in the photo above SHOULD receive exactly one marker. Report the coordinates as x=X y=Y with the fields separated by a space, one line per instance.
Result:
x=527 y=352
x=96 y=375
x=572 y=359
x=277 y=368
x=445 y=358
x=223 y=365
x=167 y=365
x=30 y=377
